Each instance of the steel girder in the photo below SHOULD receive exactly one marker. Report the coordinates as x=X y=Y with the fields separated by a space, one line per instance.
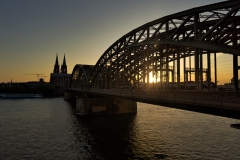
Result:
x=150 y=47
x=80 y=76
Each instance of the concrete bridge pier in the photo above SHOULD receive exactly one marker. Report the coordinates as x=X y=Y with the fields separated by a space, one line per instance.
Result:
x=86 y=106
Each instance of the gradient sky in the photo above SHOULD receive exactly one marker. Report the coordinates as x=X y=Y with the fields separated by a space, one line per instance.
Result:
x=32 y=32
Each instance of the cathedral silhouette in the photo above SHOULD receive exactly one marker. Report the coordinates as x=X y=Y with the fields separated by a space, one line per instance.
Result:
x=60 y=77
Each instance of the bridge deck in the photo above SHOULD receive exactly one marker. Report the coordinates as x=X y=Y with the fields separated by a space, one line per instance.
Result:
x=227 y=100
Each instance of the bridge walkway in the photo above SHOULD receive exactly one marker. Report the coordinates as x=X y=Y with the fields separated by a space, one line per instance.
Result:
x=224 y=100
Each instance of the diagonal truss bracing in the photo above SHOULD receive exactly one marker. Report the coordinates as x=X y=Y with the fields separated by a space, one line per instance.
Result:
x=150 y=47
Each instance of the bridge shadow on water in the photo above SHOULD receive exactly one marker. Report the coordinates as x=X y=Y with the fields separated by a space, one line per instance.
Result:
x=116 y=136
x=110 y=136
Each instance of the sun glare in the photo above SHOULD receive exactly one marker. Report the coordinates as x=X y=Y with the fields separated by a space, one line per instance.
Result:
x=152 y=78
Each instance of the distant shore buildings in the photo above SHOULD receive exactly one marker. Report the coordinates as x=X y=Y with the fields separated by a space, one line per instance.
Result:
x=58 y=80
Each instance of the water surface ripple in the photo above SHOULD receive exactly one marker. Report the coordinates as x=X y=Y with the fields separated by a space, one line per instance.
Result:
x=49 y=129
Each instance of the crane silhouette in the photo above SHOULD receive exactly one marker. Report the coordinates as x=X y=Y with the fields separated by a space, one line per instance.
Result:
x=43 y=77
x=38 y=74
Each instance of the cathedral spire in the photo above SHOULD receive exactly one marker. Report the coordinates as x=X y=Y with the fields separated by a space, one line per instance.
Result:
x=56 y=66
x=64 y=61
x=64 y=66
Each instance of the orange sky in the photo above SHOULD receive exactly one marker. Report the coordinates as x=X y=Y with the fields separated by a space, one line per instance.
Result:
x=33 y=32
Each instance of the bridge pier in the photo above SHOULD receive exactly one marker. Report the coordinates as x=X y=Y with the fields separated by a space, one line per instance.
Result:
x=86 y=106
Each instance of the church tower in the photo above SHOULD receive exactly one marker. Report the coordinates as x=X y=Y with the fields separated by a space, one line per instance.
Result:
x=64 y=66
x=56 y=66
x=59 y=77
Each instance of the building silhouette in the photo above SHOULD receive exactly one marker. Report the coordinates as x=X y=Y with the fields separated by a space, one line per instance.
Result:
x=60 y=77
x=56 y=66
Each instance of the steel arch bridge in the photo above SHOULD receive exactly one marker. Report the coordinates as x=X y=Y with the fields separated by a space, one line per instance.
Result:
x=158 y=50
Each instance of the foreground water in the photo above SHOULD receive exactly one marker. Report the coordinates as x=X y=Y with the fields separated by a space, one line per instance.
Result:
x=49 y=129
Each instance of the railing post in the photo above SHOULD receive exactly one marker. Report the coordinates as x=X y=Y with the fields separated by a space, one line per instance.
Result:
x=174 y=93
x=221 y=99
x=194 y=97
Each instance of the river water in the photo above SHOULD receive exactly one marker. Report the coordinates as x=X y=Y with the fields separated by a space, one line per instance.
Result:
x=49 y=129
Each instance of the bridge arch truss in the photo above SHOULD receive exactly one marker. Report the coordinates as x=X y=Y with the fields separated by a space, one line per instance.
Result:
x=157 y=51
x=80 y=75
